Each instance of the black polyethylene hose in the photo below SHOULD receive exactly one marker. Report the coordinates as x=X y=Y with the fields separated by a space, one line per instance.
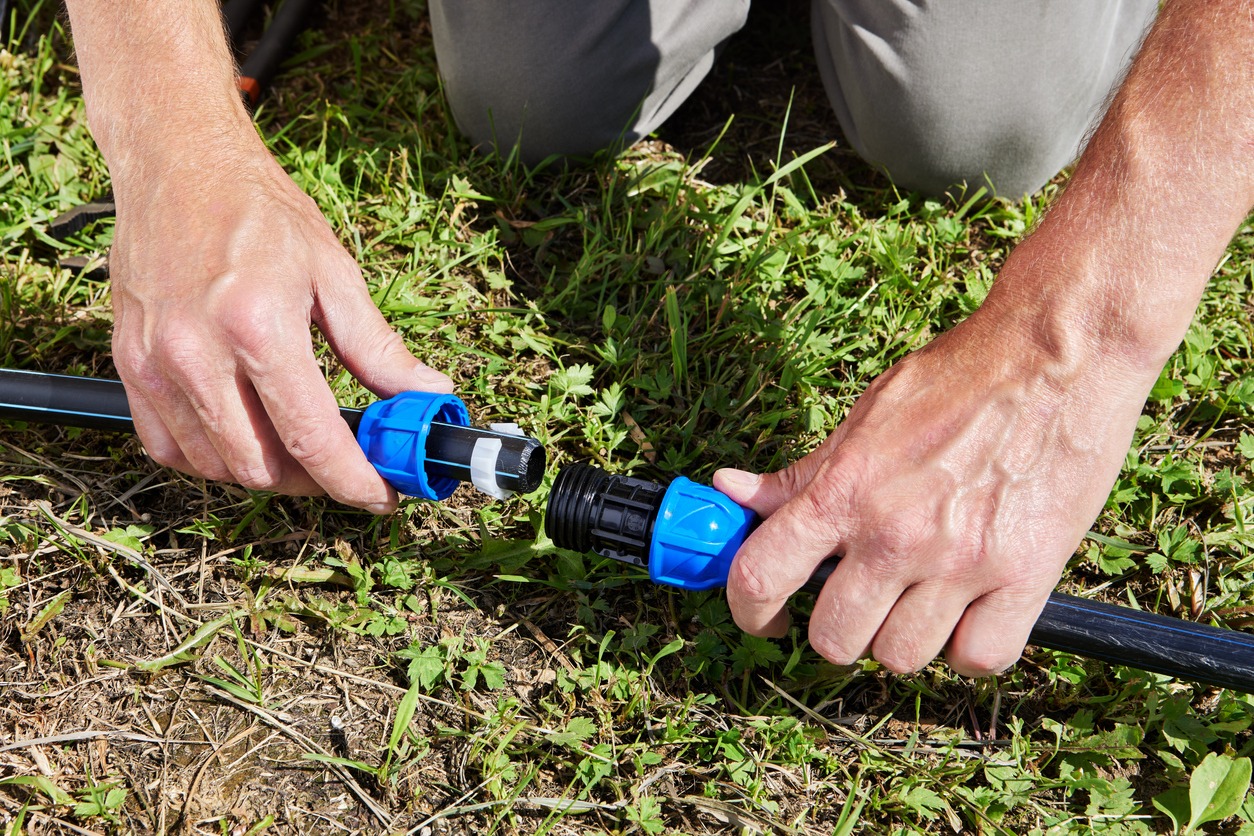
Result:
x=235 y=15
x=593 y=511
x=519 y=463
x=1158 y=643
x=1124 y=636
x=101 y=404
x=61 y=399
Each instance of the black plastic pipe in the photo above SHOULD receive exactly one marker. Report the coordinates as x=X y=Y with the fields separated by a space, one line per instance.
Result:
x=235 y=15
x=639 y=522
x=101 y=404
x=1124 y=636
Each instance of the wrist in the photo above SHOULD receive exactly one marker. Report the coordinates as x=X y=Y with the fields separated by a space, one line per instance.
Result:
x=1052 y=318
x=1086 y=291
x=158 y=82
x=143 y=143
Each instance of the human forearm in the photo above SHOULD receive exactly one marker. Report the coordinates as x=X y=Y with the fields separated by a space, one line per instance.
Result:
x=159 y=83
x=965 y=476
x=220 y=265
x=1121 y=260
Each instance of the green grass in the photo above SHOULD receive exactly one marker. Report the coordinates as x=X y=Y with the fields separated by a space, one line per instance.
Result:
x=719 y=300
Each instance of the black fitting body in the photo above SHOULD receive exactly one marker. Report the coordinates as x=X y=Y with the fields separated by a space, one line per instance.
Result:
x=594 y=511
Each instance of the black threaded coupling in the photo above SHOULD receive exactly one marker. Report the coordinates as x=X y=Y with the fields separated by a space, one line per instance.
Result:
x=594 y=511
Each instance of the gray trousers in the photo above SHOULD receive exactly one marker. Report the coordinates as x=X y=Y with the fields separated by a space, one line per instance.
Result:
x=937 y=92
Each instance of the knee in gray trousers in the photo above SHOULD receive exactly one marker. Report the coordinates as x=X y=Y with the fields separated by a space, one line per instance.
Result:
x=973 y=91
x=570 y=77
x=938 y=92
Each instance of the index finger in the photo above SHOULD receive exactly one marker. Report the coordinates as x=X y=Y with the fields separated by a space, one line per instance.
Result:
x=776 y=560
x=307 y=419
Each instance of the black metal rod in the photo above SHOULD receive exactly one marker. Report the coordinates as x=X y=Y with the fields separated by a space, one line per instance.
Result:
x=1124 y=636
x=101 y=404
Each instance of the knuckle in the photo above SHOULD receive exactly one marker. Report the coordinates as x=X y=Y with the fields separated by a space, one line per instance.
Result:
x=312 y=445
x=258 y=476
x=836 y=484
x=250 y=321
x=830 y=647
x=211 y=468
x=382 y=349
x=140 y=369
x=177 y=341
x=165 y=453
x=897 y=536
x=388 y=343
x=900 y=657
x=750 y=586
x=981 y=662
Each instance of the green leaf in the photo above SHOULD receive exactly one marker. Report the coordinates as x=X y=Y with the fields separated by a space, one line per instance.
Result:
x=577 y=730
x=755 y=652
x=99 y=800
x=673 y=646
x=1182 y=728
x=50 y=611
x=1179 y=481
x=1216 y=788
x=647 y=815
x=924 y=802
x=385 y=625
x=1245 y=445
x=230 y=687
x=1167 y=387
x=493 y=674
x=400 y=724
x=1115 y=542
x=396 y=573
x=1175 y=803
x=9 y=578
x=346 y=762
x=573 y=381
x=39 y=782
x=426 y=667
x=596 y=766
x=185 y=651
x=131 y=536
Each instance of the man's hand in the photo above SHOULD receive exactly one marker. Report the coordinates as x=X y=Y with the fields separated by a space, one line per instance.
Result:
x=218 y=273
x=963 y=479
x=220 y=265
x=955 y=491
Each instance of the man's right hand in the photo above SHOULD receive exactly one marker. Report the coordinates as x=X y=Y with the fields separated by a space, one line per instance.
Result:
x=220 y=266
x=219 y=269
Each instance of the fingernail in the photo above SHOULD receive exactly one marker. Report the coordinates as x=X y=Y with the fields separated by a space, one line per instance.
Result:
x=739 y=478
x=429 y=380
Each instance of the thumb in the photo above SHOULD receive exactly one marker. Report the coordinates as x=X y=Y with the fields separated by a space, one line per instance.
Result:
x=369 y=348
x=761 y=493
x=766 y=493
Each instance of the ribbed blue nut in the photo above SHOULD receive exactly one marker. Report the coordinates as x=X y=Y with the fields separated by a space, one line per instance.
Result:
x=696 y=535
x=393 y=435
